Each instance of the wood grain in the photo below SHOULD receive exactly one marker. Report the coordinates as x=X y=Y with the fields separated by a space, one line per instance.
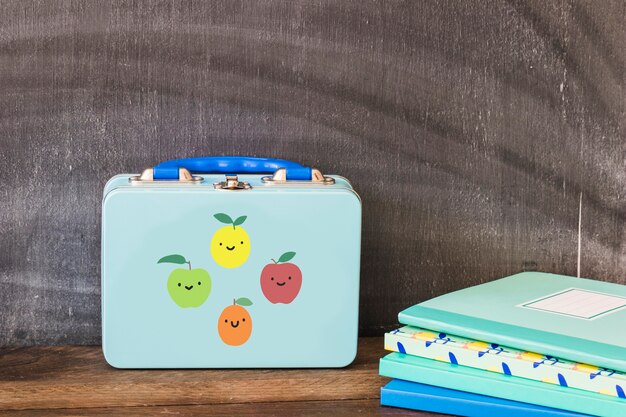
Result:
x=343 y=408
x=470 y=129
x=76 y=380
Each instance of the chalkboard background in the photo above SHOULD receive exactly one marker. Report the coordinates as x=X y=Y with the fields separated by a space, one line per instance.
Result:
x=472 y=131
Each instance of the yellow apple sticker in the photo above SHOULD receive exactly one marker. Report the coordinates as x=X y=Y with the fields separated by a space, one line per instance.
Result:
x=230 y=246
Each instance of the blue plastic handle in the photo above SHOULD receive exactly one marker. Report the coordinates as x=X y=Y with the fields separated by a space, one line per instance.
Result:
x=168 y=170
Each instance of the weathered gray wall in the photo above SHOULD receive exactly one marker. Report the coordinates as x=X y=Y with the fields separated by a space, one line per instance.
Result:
x=470 y=129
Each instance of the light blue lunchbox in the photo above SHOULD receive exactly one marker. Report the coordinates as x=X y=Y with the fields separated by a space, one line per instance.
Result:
x=230 y=262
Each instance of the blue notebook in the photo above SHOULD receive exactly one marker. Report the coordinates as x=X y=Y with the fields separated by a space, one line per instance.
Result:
x=405 y=394
x=477 y=381
x=577 y=319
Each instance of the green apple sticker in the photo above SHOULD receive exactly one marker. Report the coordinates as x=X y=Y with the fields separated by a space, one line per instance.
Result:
x=187 y=287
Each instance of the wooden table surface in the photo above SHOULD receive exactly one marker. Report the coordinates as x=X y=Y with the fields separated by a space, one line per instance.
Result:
x=75 y=380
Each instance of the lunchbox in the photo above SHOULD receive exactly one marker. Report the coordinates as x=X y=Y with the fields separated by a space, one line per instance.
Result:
x=230 y=262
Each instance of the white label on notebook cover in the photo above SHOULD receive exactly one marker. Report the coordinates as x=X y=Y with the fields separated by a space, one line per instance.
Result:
x=575 y=302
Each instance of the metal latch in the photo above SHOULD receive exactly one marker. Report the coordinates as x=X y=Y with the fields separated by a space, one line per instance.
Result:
x=232 y=183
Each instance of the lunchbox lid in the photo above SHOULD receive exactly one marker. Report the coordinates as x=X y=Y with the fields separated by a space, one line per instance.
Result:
x=231 y=173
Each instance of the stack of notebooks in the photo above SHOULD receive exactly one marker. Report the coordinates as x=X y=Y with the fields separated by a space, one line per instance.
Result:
x=530 y=344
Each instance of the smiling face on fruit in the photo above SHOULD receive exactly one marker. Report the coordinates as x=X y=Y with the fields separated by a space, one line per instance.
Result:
x=281 y=280
x=230 y=246
x=187 y=287
x=235 y=324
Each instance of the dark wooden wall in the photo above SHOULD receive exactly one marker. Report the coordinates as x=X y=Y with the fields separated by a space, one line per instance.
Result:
x=470 y=129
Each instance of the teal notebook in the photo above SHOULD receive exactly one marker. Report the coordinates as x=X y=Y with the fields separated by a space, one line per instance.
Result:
x=577 y=319
x=464 y=378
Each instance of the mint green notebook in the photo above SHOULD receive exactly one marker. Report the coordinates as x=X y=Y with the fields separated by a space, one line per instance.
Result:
x=503 y=359
x=464 y=378
x=577 y=319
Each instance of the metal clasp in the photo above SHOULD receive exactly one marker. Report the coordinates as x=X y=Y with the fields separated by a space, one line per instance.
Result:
x=232 y=183
x=280 y=177
x=183 y=176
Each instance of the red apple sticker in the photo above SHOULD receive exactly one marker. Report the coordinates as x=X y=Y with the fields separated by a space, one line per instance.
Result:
x=281 y=281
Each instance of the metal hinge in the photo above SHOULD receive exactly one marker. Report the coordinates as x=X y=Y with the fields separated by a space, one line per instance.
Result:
x=183 y=176
x=280 y=177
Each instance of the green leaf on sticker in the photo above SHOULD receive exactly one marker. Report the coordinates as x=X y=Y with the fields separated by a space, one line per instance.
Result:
x=239 y=220
x=287 y=256
x=173 y=259
x=243 y=301
x=224 y=218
